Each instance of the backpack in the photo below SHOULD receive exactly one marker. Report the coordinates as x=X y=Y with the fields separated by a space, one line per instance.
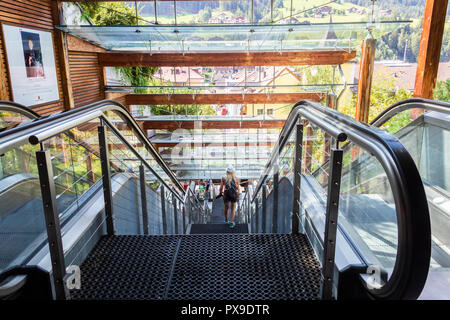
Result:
x=201 y=194
x=230 y=190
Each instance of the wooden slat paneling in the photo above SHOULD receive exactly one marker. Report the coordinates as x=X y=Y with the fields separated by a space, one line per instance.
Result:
x=34 y=14
x=86 y=76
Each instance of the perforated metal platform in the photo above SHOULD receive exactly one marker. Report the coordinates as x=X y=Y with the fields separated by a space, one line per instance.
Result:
x=217 y=266
x=217 y=228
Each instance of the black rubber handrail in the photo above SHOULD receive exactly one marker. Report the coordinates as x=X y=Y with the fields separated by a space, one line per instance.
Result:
x=18 y=108
x=413 y=223
x=414 y=103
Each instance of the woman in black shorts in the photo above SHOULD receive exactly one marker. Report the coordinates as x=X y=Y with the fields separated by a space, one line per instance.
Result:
x=230 y=190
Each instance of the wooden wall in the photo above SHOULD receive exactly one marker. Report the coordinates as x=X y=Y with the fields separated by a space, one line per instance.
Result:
x=34 y=14
x=87 y=77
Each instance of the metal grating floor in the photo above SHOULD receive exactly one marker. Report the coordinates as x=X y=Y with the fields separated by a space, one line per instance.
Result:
x=218 y=228
x=214 y=266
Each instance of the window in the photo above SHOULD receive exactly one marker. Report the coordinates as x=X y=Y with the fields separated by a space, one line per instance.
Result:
x=260 y=112
x=270 y=112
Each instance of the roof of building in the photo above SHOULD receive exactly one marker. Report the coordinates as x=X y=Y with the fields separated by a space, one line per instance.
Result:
x=404 y=74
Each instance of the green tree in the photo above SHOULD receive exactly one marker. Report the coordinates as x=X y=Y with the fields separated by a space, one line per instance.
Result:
x=442 y=91
x=383 y=95
x=120 y=13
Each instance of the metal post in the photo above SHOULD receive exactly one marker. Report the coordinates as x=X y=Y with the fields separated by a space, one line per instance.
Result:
x=189 y=204
x=290 y=16
x=156 y=12
x=184 y=219
x=175 y=213
x=44 y=163
x=252 y=18
x=275 y=200
x=136 y=12
x=249 y=204
x=143 y=199
x=175 y=10
x=297 y=179
x=256 y=215
x=264 y=207
x=163 y=209
x=106 y=179
x=329 y=244
x=271 y=11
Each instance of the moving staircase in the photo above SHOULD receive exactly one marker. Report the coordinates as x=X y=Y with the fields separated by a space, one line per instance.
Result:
x=340 y=212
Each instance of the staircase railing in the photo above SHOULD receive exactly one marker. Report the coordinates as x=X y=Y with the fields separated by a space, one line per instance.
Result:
x=120 y=149
x=305 y=144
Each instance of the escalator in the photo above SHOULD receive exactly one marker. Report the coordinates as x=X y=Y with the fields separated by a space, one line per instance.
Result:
x=137 y=234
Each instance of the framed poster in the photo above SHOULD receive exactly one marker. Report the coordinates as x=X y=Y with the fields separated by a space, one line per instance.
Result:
x=31 y=63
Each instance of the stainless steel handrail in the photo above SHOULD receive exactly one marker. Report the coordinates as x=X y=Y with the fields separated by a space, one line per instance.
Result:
x=44 y=128
x=433 y=105
x=414 y=234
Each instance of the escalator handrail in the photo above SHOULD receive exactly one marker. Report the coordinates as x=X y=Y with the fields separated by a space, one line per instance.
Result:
x=18 y=108
x=40 y=129
x=414 y=103
x=413 y=222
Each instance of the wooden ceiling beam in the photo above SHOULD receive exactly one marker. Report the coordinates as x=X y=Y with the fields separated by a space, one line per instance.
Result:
x=225 y=59
x=139 y=0
x=220 y=98
x=193 y=124
x=430 y=48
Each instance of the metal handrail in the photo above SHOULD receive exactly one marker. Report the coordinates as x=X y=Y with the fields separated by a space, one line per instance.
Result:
x=41 y=129
x=415 y=103
x=414 y=232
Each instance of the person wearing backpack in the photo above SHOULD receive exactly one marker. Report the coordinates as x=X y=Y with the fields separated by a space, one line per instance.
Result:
x=230 y=190
x=201 y=193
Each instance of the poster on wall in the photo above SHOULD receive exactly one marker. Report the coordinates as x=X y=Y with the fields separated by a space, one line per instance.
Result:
x=31 y=63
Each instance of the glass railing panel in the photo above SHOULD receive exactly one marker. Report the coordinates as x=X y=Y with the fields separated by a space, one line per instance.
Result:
x=155 y=223
x=427 y=140
x=124 y=171
x=76 y=166
x=366 y=208
x=22 y=223
x=316 y=151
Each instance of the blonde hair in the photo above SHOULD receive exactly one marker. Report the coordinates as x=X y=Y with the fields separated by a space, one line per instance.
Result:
x=230 y=176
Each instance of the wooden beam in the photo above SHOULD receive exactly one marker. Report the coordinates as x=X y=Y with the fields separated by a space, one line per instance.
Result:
x=365 y=79
x=193 y=124
x=4 y=79
x=63 y=53
x=219 y=98
x=223 y=59
x=139 y=0
x=77 y=44
x=430 y=48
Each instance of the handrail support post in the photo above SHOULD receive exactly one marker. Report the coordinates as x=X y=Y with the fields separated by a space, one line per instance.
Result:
x=53 y=227
x=331 y=223
x=163 y=209
x=175 y=213
x=143 y=199
x=297 y=179
x=106 y=179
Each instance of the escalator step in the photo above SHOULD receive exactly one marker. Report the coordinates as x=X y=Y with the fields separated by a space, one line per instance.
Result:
x=215 y=266
x=218 y=228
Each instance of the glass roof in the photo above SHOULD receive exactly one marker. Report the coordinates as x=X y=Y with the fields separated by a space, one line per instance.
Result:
x=224 y=37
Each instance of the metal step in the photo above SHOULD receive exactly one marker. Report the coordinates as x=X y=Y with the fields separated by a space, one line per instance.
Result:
x=215 y=266
x=218 y=228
